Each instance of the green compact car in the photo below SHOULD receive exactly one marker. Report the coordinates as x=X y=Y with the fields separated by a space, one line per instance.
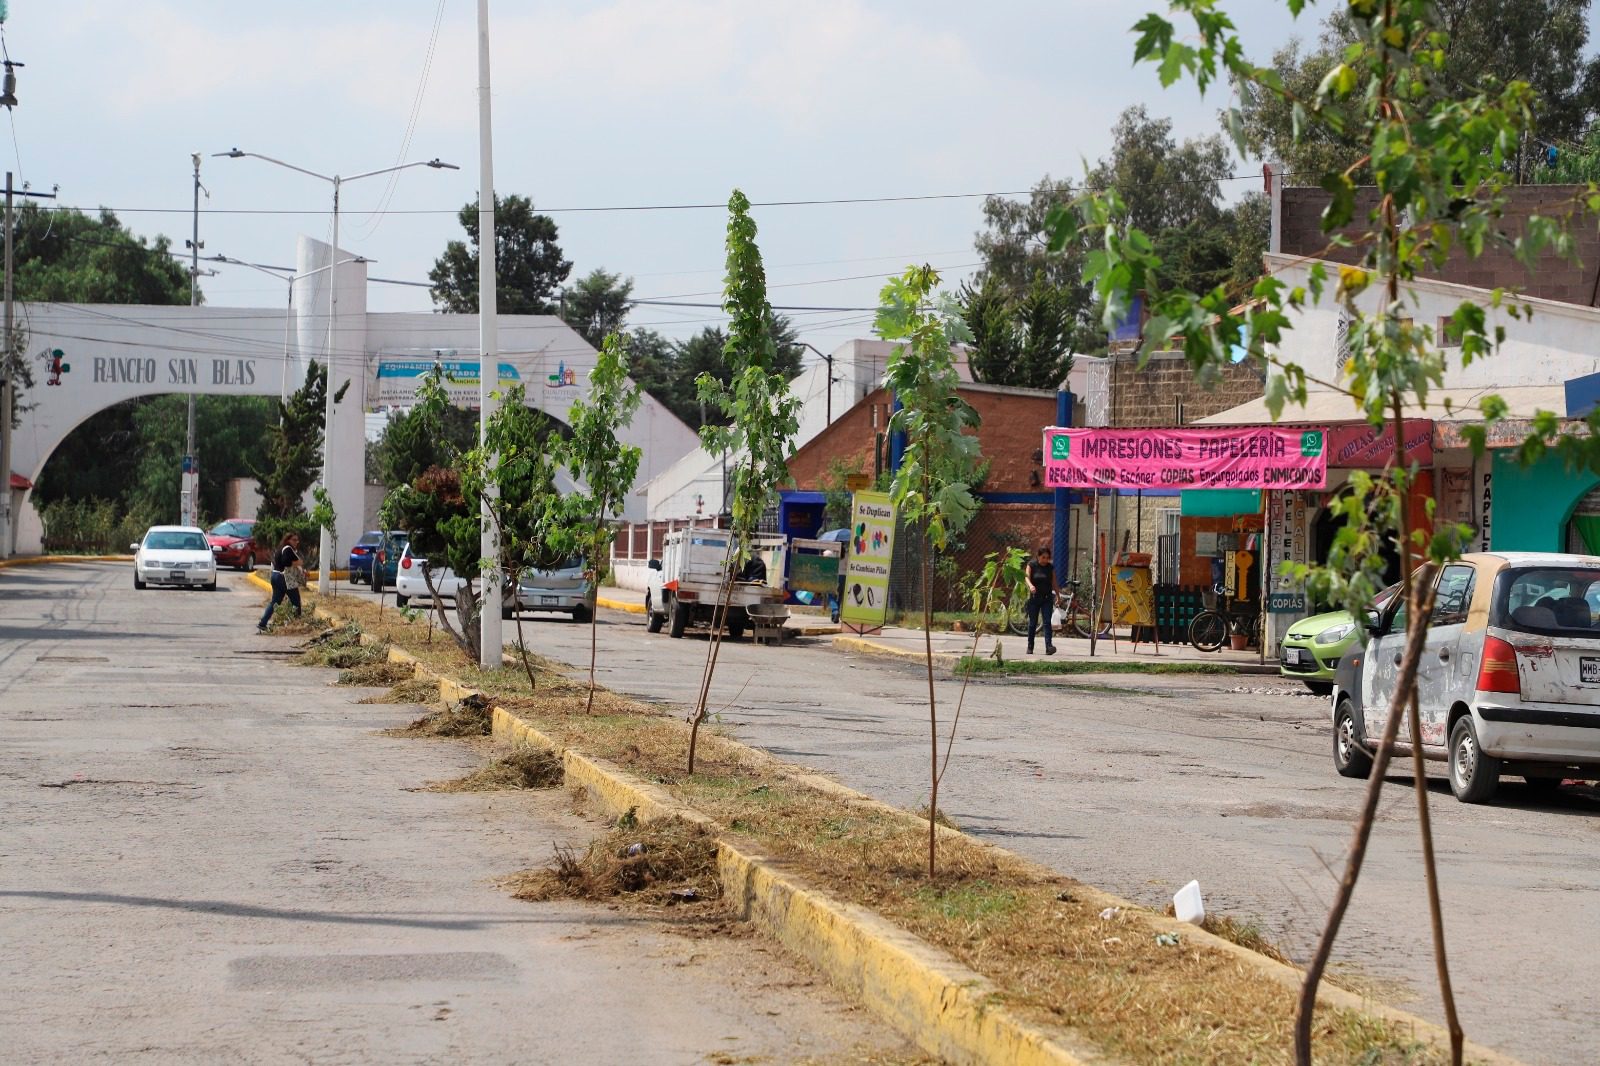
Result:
x=1314 y=646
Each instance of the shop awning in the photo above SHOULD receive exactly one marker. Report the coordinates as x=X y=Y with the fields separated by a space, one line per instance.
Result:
x=1328 y=408
x=20 y=483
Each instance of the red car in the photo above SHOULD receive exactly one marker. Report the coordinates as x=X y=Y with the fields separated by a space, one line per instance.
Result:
x=232 y=544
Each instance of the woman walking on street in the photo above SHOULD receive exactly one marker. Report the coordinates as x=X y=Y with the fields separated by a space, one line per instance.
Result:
x=1041 y=599
x=285 y=558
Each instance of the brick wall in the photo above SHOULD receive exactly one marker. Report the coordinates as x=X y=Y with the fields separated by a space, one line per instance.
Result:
x=1553 y=279
x=1152 y=396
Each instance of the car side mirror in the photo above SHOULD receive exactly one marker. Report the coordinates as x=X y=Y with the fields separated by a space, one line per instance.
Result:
x=655 y=564
x=1374 y=623
x=134 y=546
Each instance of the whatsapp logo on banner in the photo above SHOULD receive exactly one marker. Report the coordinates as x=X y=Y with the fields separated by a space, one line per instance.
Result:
x=1060 y=447
x=1311 y=443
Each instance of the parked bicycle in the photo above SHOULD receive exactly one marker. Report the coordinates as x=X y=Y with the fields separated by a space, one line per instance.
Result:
x=1223 y=616
x=1073 y=611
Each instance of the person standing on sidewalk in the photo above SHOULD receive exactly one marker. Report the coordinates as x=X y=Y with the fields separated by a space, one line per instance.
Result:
x=287 y=556
x=1041 y=599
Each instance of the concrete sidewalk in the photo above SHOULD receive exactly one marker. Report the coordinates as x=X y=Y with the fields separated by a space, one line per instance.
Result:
x=949 y=647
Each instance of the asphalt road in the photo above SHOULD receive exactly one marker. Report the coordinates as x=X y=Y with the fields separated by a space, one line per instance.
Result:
x=1138 y=784
x=207 y=856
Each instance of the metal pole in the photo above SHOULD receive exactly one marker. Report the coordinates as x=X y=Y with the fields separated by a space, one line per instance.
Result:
x=325 y=539
x=189 y=482
x=7 y=367
x=490 y=646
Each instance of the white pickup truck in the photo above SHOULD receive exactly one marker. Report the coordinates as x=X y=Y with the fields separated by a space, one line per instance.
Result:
x=687 y=580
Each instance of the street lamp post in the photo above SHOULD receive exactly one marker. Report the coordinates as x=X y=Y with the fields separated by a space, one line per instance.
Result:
x=325 y=542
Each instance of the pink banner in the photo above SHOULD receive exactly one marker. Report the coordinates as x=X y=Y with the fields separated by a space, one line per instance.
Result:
x=1361 y=446
x=1221 y=457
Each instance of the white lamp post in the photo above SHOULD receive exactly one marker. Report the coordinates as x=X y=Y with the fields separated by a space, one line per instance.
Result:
x=325 y=543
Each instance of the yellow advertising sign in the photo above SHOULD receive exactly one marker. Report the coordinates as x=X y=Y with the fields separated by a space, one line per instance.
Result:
x=866 y=575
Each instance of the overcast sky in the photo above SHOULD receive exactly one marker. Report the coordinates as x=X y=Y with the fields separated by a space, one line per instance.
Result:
x=596 y=104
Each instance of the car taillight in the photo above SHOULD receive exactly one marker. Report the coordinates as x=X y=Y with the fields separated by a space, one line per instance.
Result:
x=1498 y=672
x=405 y=564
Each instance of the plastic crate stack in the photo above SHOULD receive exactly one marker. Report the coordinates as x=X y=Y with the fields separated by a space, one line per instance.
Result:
x=1176 y=606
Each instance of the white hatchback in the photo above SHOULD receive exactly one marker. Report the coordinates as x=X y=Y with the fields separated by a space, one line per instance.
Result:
x=410 y=586
x=177 y=556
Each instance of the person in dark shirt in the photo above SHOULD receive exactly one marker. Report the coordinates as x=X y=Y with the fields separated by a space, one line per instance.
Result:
x=1041 y=599
x=286 y=556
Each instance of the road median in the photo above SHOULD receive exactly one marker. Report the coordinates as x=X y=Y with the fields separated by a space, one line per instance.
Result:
x=995 y=960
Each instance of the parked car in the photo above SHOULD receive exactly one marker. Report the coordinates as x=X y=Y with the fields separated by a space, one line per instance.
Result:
x=174 y=555
x=1508 y=682
x=374 y=546
x=1313 y=647
x=410 y=585
x=565 y=588
x=233 y=544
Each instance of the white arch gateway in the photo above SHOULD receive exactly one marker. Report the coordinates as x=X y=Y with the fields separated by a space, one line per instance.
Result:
x=115 y=352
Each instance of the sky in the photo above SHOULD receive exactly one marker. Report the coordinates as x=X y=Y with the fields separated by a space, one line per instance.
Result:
x=596 y=104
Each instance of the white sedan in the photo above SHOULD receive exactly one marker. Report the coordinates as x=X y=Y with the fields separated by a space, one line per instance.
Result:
x=174 y=555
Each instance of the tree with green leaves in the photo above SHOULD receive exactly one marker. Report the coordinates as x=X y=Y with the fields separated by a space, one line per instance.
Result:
x=294 y=460
x=603 y=464
x=519 y=462
x=420 y=437
x=1026 y=341
x=529 y=266
x=763 y=414
x=323 y=516
x=597 y=305
x=932 y=490
x=1440 y=160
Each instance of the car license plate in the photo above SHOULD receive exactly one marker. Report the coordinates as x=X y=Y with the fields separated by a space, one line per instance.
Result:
x=1291 y=656
x=177 y=576
x=549 y=599
x=1589 y=669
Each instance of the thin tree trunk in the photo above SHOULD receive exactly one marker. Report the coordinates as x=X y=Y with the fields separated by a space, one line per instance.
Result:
x=718 y=617
x=933 y=712
x=1435 y=912
x=522 y=649
x=594 y=620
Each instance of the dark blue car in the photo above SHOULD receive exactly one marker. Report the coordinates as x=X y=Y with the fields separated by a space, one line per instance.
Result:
x=373 y=546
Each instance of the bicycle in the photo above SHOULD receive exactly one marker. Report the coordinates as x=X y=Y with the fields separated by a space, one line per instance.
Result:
x=1209 y=629
x=1073 y=610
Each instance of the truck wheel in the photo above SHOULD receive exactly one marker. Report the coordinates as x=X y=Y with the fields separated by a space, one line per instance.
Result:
x=654 y=620
x=680 y=618
x=735 y=630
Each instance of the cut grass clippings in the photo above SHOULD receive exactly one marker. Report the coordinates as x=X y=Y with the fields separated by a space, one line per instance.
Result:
x=380 y=674
x=1037 y=935
x=523 y=768
x=662 y=863
x=468 y=717
x=423 y=690
x=985 y=665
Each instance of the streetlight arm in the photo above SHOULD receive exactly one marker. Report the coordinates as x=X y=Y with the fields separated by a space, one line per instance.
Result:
x=236 y=154
x=434 y=163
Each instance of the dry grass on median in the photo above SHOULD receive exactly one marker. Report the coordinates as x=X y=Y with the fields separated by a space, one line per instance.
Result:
x=521 y=769
x=662 y=863
x=1037 y=935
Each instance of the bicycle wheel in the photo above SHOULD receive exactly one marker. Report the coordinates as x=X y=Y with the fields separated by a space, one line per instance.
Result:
x=1208 y=631
x=1080 y=617
x=1017 y=617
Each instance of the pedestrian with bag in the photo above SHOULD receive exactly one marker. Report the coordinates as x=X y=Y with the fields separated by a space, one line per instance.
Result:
x=288 y=577
x=1041 y=599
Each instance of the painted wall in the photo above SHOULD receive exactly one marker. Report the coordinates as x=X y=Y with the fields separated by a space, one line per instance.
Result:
x=1532 y=504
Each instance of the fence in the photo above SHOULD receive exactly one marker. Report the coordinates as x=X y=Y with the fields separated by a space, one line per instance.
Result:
x=637 y=543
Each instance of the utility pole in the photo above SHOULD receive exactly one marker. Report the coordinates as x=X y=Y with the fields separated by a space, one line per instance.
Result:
x=10 y=363
x=189 y=490
x=490 y=649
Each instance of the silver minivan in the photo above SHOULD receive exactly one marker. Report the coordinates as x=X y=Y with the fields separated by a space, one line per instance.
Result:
x=1508 y=683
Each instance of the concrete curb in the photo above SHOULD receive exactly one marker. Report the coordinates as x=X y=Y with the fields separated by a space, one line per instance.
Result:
x=949 y=660
x=618 y=605
x=941 y=1005
x=36 y=560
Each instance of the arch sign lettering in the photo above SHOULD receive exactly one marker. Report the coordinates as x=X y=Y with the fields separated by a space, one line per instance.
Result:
x=1219 y=457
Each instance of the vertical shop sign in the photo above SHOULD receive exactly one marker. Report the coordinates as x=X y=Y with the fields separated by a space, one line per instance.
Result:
x=1485 y=499
x=866 y=574
x=1455 y=495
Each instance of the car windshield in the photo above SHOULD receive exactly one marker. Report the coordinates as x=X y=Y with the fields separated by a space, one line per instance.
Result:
x=231 y=529
x=173 y=540
x=1551 y=600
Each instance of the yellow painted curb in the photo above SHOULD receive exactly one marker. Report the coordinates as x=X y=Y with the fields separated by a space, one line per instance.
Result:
x=618 y=605
x=943 y=1006
x=872 y=647
x=36 y=560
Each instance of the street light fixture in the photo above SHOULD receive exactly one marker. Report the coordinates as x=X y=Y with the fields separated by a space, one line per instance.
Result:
x=325 y=542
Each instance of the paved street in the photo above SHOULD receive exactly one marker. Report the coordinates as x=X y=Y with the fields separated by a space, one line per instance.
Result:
x=1138 y=784
x=207 y=856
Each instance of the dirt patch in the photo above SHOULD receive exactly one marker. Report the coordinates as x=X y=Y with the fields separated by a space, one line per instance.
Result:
x=377 y=674
x=523 y=768
x=663 y=863
x=412 y=690
x=469 y=717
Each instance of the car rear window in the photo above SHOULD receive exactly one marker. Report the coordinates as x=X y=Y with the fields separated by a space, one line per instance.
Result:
x=1557 y=601
x=173 y=541
x=369 y=538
